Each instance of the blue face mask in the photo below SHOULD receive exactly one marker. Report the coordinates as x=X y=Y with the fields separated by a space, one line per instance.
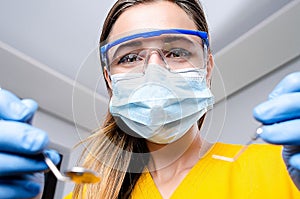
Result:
x=160 y=106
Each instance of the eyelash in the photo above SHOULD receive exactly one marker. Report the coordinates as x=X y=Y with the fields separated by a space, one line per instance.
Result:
x=130 y=56
x=179 y=52
x=176 y=53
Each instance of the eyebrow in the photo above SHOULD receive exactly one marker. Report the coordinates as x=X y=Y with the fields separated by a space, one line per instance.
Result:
x=176 y=38
x=126 y=45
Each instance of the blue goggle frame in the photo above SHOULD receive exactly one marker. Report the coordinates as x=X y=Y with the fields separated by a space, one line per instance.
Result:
x=203 y=35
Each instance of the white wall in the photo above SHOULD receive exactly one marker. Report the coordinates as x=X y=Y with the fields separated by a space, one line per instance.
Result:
x=63 y=137
x=231 y=119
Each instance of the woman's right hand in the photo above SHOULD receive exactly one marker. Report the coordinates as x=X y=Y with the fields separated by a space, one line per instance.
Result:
x=20 y=148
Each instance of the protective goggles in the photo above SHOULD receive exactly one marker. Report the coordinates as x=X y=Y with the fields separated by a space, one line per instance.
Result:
x=177 y=50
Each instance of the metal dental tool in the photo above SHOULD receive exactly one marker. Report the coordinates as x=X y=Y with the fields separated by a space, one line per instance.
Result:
x=235 y=157
x=76 y=174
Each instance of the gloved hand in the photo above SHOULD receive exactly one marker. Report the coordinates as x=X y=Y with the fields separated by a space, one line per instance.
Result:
x=281 y=118
x=20 y=148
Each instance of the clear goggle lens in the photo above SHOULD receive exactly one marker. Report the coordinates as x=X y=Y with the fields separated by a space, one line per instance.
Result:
x=175 y=51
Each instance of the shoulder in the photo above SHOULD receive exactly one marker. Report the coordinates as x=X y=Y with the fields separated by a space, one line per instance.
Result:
x=256 y=156
x=265 y=152
x=258 y=161
x=256 y=150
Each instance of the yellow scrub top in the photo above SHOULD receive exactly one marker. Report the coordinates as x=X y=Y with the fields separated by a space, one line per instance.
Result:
x=258 y=173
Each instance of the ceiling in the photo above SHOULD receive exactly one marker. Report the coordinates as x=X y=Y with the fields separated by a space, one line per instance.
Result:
x=60 y=37
x=61 y=34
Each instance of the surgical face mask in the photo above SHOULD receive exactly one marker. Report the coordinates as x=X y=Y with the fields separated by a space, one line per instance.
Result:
x=160 y=106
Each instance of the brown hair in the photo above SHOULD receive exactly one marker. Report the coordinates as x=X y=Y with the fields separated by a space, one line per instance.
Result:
x=109 y=150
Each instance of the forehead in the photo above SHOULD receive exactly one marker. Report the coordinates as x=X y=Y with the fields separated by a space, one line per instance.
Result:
x=155 y=15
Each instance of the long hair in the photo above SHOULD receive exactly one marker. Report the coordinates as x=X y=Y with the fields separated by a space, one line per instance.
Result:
x=109 y=150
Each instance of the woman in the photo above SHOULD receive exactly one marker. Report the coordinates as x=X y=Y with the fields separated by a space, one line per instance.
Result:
x=141 y=151
x=157 y=65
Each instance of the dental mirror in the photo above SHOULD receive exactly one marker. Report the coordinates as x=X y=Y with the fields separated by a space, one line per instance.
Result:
x=77 y=175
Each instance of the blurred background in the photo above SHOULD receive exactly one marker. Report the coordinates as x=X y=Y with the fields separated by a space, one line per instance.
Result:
x=49 y=52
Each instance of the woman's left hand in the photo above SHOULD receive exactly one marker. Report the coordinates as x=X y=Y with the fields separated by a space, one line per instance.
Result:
x=280 y=116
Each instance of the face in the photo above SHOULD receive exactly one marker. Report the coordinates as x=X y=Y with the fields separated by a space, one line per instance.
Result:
x=157 y=15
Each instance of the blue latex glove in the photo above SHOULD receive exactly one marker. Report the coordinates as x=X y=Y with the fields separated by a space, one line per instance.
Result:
x=281 y=118
x=20 y=148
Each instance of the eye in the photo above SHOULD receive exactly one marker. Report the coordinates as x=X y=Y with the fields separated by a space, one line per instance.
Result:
x=130 y=58
x=178 y=53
